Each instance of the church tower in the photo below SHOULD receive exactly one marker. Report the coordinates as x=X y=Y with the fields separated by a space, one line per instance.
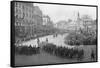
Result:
x=78 y=16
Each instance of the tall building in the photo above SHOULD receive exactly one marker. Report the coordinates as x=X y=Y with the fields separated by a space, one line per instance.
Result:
x=27 y=14
x=27 y=17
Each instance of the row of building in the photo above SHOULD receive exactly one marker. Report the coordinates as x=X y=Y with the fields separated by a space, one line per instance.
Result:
x=29 y=17
x=80 y=22
x=27 y=14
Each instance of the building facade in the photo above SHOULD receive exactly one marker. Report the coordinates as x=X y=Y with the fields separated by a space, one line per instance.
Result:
x=27 y=17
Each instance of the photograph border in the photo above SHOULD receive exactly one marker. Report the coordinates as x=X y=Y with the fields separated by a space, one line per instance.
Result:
x=12 y=33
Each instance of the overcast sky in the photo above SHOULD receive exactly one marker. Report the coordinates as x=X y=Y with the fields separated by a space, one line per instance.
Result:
x=64 y=12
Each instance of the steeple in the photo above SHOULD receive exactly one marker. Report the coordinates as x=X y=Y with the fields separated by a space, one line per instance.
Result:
x=78 y=16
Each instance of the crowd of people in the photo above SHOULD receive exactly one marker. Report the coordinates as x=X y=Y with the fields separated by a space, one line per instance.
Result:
x=26 y=50
x=82 y=36
x=59 y=51
x=63 y=51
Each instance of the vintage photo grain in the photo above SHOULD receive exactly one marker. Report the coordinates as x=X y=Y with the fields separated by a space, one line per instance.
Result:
x=54 y=33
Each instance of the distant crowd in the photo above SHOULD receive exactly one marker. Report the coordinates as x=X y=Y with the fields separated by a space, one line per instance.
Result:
x=63 y=52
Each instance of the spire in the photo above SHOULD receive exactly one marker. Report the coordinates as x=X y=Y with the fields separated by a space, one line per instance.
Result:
x=78 y=16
